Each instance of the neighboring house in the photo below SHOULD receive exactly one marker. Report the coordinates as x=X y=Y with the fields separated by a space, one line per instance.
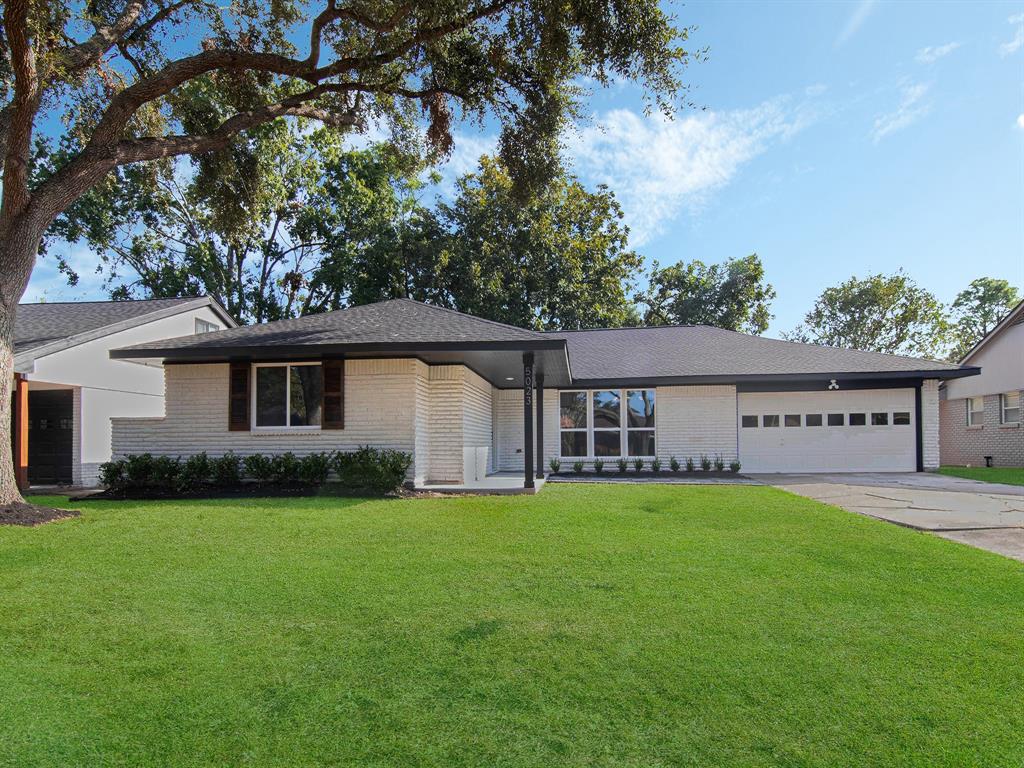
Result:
x=67 y=387
x=981 y=416
x=468 y=397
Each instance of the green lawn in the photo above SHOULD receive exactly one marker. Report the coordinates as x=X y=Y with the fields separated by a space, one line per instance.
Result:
x=585 y=626
x=1010 y=475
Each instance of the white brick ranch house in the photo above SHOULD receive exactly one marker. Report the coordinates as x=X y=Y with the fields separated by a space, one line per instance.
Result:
x=469 y=397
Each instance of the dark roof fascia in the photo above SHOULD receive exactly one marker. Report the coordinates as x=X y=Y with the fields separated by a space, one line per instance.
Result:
x=296 y=352
x=781 y=378
x=29 y=356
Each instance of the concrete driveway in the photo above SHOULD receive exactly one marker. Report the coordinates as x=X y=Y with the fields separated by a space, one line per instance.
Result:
x=985 y=515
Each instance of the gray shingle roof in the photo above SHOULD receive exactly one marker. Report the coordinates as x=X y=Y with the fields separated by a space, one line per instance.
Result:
x=39 y=324
x=700 y=350
x=400 y=322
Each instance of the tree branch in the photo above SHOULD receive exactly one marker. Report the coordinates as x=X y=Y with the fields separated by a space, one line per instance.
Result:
x=23 y=108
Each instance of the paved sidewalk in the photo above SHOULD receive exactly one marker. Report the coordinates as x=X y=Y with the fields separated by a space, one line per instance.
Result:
x=985 y=515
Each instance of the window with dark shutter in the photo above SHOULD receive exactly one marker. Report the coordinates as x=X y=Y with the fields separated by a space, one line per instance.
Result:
x=238 y=398
x=333 y=394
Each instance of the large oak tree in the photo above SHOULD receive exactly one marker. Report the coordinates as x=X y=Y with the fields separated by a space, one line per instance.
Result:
x=122 y=82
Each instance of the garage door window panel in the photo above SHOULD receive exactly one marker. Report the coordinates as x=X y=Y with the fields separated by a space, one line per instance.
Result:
x=879 y=419
x=792 y=420
x=836 y=419
x=813 y=420
x=901 y=418
x=749 y=422
x=858 y=419
x=770 y=420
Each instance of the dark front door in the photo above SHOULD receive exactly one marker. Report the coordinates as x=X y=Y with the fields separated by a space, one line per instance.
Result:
x=50 y=430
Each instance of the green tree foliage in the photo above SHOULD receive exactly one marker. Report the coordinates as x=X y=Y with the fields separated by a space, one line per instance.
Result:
x=881 y=313
x=977 y=310
x=733 y=295
x=557 y=259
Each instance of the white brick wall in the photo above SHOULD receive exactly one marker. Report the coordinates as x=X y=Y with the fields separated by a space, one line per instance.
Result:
x=696 y=420
x=477 y=426
x=508 y=428
x=380 y=410
x=930 y=423
x=445 y=424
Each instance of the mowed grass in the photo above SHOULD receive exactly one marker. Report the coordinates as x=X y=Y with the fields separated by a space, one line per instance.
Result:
x=1008 y=475
x=585 y=626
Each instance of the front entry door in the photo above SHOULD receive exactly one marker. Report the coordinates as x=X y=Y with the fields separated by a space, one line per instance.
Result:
x=50 y=434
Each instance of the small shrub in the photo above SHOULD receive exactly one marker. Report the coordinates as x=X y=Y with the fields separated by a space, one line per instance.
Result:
x=165 y=471
x=673 y=464
x=138 y=470
x=315 y=468
x=623 y=465
x=259 y=467
x=113 y=474
x=690 y=467
x=656 y=465
x=226 y=470
x=577 y=467
x=555 y=465
x=734 y=466
x=638 y=465
x=599 y=466
x=194 y=472
x=372 y=469
x=705 y=463
x=285 y=467
x=719 y=464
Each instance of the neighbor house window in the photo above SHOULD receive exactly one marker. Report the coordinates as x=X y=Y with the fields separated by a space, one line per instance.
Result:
x=640 y=422
x=607 y=423
x=573 y=422
x=287 y=395
x=975 y=411
x=1009 y=406
x=205 y=326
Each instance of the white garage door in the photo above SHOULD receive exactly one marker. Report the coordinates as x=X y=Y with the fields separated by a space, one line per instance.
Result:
x=867 y=430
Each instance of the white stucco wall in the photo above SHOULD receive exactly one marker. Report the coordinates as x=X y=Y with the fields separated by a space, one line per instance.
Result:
x=106 y=388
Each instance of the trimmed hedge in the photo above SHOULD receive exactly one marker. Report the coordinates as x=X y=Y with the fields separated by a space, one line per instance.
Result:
x=369 y=469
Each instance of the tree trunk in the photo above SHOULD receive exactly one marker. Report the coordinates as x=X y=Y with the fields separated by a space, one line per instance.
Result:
x=18 y=249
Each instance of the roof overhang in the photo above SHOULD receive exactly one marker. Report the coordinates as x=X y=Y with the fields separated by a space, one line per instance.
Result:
x=499 y=362
x=881 y=379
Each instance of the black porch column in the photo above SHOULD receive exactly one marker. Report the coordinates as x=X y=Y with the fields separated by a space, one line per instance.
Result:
x=528 y=420
x=540 y=426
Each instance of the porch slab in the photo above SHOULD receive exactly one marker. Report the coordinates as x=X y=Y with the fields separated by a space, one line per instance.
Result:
x=499 y=483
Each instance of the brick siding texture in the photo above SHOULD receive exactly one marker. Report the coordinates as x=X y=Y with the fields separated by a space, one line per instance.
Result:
x=968 y=446
x=930 y=424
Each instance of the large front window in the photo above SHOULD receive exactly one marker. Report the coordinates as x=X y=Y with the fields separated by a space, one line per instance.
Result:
x=607 y=423
x=288 y=395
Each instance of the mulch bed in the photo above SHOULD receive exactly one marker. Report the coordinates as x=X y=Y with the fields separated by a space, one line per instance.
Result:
x=246 y=491
x=647 y=474
x=21 y=513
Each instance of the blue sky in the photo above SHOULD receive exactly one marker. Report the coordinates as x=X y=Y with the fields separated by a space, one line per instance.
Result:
x=836 y=139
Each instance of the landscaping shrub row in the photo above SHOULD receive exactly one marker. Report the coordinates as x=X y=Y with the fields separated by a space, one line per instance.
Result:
x=372 y=469
x=705 y=463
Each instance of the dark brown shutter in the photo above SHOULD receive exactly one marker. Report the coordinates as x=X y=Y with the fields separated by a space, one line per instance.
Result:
x=333 y=411
x=238 y=397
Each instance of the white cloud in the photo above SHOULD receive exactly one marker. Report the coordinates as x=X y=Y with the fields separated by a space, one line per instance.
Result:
x=658 y=167
x=931 y=54
x=856 y=20
x=1018 y=39
x=815 y=90
x=48 y=284
x=912 y=107
x=1020 y=121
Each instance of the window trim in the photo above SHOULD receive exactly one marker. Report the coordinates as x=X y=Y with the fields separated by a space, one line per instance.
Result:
x=624 y=399
x=968 y=407
x=585 y=429
x=286 y=427
x=213 y=327
x=1003 y=409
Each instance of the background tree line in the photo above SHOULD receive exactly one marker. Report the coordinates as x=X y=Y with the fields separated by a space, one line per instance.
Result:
x=286 y=222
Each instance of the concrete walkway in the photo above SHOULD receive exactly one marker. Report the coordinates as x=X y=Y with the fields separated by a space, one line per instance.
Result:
x=985 y=515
